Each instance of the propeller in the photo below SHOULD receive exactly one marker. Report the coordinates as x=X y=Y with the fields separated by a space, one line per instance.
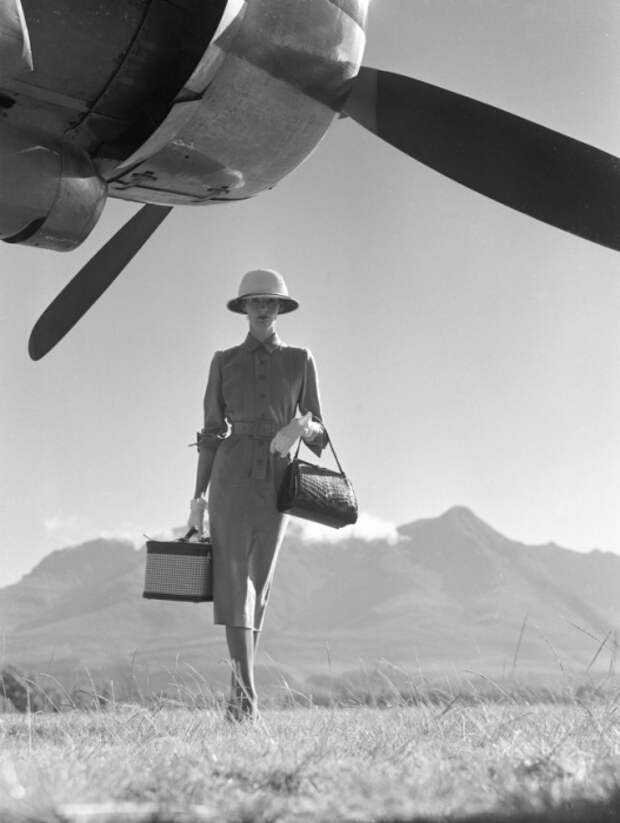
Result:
x=93 y=279
x=521 y=164
x=16 y=52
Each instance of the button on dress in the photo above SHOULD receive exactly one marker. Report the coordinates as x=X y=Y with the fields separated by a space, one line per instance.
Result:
x=253 y=390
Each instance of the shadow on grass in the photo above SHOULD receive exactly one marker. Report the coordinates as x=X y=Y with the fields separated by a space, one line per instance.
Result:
x=581 y=811
x=576 y=812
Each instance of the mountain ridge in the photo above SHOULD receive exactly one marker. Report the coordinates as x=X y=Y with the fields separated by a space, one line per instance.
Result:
x=451 y=591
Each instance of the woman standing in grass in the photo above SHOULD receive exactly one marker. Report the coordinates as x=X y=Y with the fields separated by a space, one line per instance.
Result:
x=261 y=396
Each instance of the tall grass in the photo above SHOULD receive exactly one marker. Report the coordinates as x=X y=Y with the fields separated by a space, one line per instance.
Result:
x=422 y=749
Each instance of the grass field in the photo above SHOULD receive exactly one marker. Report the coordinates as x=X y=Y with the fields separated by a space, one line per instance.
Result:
x=466 y=759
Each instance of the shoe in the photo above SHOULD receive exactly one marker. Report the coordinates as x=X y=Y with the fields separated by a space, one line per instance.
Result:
x=233 y=712
x=243 y=712
x=249 y=709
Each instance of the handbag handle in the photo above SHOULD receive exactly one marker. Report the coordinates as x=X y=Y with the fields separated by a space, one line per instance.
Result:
x=329 y=443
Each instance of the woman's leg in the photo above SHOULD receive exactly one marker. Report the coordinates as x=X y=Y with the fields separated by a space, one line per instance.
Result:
x=241 y=649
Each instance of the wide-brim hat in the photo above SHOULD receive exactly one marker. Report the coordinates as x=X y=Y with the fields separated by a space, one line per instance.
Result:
x=263 y=283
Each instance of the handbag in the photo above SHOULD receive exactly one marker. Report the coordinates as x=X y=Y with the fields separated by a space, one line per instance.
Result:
x=179 y=570
x=314 y=493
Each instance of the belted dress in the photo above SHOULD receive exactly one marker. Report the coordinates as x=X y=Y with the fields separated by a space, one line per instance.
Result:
x=253 y=390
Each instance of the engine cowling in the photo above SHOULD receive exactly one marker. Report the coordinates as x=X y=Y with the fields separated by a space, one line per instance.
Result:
x=267 y=88
x=50 y=193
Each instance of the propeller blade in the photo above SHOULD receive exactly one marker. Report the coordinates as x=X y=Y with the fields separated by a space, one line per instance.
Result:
x=16 y=52
x=93 y=279
x=521 y=164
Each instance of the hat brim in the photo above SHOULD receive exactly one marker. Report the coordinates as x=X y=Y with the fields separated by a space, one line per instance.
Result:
x=287 y=304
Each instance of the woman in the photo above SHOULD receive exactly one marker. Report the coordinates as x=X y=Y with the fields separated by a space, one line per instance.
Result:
x=255 y=394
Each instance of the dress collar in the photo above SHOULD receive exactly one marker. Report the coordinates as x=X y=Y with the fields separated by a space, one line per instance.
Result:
x=272 y=343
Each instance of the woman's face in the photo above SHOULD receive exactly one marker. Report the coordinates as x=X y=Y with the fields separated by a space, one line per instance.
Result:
x=262 y=313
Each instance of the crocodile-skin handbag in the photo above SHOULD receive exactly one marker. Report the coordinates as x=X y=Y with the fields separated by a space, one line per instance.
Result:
x=318 y=494
x=179 y=570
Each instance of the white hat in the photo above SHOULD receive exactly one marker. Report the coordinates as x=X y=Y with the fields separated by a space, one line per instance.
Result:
x=263 y=283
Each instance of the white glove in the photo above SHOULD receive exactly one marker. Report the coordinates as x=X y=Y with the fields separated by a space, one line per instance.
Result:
x=196 y=519
x=286 y=437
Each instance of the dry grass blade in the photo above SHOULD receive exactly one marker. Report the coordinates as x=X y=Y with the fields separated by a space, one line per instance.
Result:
x=598 y=651
x=518 y=647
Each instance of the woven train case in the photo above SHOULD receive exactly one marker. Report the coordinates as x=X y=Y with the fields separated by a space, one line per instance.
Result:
x=179 y=570
x=318 y=494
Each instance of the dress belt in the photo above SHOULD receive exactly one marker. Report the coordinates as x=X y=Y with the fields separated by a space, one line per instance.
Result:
x=255 y=428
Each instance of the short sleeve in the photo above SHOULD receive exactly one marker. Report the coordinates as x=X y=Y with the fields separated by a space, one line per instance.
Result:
x=215 y=427
x=309 y=401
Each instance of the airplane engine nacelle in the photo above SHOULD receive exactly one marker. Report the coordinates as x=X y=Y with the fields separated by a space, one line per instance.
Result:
x=50 y=193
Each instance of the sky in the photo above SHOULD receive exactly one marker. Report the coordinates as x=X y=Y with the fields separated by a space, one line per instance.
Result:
x=467 y=354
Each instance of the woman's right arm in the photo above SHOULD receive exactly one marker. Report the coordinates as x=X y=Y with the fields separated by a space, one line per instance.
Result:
x=203 y=472
x=214 y=430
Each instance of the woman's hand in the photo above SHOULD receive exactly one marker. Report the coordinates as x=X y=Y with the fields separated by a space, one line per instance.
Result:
x=289 y=434
x=196 y=519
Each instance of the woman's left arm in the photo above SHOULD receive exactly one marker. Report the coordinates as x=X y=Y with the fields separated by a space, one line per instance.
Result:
x=309 y=401
x=310 y=425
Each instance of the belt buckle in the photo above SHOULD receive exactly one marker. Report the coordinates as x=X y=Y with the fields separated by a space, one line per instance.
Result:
x=263 y=428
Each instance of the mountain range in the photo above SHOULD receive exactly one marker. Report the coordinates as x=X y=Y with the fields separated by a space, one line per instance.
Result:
x=450 y=594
